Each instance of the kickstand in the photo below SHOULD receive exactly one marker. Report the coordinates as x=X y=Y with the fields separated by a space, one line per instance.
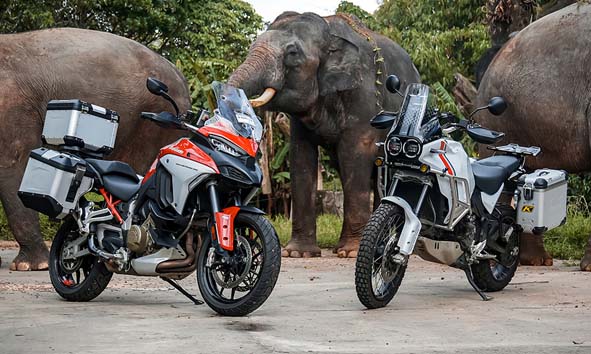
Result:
x=183 y=291
x=470 y=277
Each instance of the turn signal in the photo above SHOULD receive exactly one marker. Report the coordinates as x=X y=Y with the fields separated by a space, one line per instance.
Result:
x=424 y=168
x=379 y=161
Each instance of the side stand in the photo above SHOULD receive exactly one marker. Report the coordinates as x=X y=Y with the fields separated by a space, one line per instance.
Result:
x=182 y=291
x=470 y=277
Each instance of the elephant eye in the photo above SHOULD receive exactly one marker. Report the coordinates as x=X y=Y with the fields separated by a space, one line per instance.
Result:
x=291 y=49
x=293 y=56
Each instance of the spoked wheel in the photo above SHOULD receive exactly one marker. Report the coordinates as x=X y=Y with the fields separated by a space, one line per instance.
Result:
x=492 y=275
x=242 y=285
x=377 y=277
x=75 y=274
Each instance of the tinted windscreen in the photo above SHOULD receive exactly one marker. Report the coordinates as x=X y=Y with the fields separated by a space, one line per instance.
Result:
x=234 y=106
x=412 y=111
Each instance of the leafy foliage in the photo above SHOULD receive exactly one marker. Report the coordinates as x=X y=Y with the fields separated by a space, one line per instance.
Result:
x=207 y=39
x=441 y=39
x=365 y=17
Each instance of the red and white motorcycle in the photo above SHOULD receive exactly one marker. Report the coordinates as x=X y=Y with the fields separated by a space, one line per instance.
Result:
x=190 y=212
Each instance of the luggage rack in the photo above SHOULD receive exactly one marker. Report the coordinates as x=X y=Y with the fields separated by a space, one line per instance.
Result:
x=515 y=149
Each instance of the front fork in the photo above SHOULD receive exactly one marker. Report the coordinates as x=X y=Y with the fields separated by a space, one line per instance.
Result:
x=412 y=224
x=223 y=222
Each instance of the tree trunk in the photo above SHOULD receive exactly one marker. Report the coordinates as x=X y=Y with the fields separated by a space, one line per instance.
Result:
x=266 y=147
x=464 y=93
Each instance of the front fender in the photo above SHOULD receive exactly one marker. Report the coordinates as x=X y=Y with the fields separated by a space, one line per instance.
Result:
x=412 y=225
x=251 y=209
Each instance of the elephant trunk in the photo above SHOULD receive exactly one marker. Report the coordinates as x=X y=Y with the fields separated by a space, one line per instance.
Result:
x=261 y=70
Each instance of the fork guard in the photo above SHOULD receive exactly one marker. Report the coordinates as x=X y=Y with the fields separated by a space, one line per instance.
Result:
x=224 y=222
x=412 y=225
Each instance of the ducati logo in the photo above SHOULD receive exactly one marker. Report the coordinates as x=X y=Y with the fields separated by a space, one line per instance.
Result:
x=527 y=208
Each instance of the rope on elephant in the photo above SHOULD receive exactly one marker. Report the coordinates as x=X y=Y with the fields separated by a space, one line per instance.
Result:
x=378 y=59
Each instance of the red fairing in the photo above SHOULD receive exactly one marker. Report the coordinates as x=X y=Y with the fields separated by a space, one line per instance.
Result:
x=250 y=146
x=184 y=148
x=151 y=171
x=224 y=221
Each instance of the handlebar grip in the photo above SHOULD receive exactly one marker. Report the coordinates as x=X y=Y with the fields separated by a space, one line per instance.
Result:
x=148 y=115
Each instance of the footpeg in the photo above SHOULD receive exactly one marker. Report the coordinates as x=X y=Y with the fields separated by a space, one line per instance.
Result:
x=182 y=291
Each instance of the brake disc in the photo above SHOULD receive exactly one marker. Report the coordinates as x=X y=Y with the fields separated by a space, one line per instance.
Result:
x=235 y=279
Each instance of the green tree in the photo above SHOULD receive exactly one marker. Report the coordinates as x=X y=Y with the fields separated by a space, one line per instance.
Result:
x=207 y=39
x=365 y=17
x=440 y=38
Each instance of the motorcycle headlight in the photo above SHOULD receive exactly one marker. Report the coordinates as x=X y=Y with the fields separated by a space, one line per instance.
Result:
x=222 y=146
x=394 y=146
x=411 y=148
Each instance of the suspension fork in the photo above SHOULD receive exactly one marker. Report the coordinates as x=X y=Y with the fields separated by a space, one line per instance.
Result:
x=223 y=222
x=412 y=224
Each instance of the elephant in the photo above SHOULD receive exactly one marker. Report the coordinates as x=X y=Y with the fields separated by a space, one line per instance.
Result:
x=547 y=84
x=66 y=63
x=326 y=73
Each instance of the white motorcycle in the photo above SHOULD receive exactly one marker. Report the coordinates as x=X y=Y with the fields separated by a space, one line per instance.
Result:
x=447 y=207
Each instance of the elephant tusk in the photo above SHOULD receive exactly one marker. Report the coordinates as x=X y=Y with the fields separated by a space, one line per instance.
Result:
x=264 y=98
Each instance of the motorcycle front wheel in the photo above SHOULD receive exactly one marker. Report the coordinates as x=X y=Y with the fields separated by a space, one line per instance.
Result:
x=377 y=278
x=243 y=285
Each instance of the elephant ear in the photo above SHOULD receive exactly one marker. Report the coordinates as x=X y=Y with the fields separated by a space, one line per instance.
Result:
x=341 y=69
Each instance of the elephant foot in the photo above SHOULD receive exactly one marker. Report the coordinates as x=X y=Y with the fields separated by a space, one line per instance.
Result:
x=298 y=249
x=31 y=258
x=347 y=248
x=586 y=262
x=532 y=251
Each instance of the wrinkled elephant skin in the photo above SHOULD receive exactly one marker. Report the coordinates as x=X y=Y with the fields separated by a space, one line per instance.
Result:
x=96 y=67
x=544 y=74
x=324 y=71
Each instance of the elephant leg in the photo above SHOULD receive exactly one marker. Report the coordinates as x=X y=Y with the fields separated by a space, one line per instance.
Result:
x=303 y=158
x=24 y=224
x=356 y=157
x=532 y=251
x=586 y=261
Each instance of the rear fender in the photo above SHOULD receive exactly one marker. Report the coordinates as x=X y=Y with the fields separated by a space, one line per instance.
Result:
x=224 y=221
x=412 y=225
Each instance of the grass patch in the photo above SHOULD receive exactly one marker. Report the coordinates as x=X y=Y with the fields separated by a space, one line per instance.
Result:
x=568 y=241
x=328 y=229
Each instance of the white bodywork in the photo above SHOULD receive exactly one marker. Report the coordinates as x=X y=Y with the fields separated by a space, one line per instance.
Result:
x=489 y=201
x=450 y=158
x=184 y=173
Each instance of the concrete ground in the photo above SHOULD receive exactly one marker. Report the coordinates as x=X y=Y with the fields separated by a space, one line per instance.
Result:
x=314 y=309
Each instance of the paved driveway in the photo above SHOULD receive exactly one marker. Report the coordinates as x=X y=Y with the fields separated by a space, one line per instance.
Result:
x=313 y=309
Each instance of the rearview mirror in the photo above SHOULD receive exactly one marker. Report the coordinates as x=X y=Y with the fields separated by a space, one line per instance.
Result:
x=156 y=87
x=497 y=105
x=393 y=83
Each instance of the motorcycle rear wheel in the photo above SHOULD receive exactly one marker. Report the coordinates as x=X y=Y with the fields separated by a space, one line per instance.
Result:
x=254 y=280
x=383 y=228
x=490 y=275
x=81 y=279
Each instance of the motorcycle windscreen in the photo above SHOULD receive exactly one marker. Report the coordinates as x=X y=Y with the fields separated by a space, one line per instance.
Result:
x=234 y=106
x=414 y=112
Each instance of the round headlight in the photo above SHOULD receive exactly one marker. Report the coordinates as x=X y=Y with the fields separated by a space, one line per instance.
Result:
x=394 y=146
x=411 y=149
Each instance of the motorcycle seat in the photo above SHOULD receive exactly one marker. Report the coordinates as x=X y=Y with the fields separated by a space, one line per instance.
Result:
x=118 y=178
x=491 y=172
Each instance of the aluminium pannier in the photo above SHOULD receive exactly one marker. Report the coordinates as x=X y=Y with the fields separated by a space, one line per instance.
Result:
x=78 y=125
x=54 y=182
